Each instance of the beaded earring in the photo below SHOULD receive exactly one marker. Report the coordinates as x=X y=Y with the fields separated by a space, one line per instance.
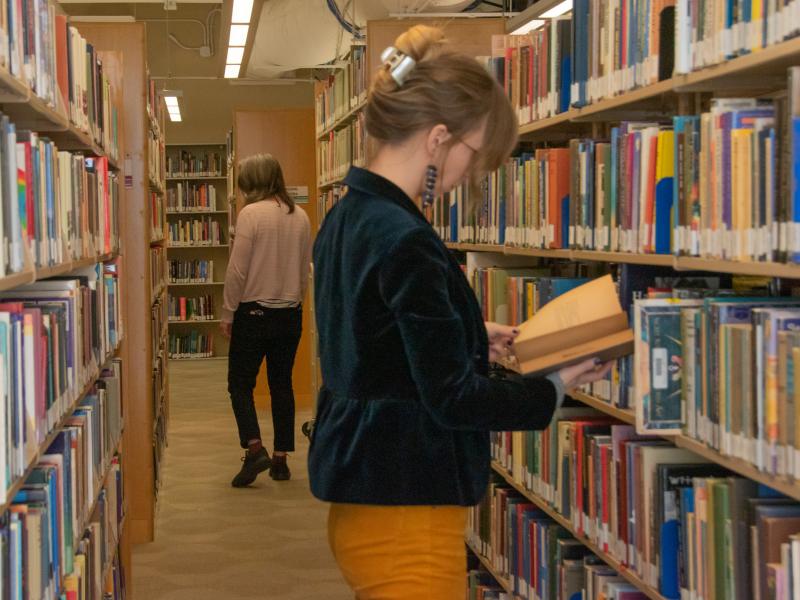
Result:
x=431 y=173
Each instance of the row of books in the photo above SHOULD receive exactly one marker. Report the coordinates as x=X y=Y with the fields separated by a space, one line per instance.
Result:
x=58 y=206
x=194 y=344
x=540 y=558
x=159 y=377
x=327 y=199
x=62 y=526
x=722 y=370
x=191 y=271
x=341 y=149
x=342 y=91
x=709 y=185
x=195 y=232
x=54 y=335
x=204 y=163
x=191 y=308
x=155 y=104
x=158 y=218
x=713 y=357
x=41 y=49
x=158 y=321
x=157 y=267
x=600 y=50
x=156 y=159
x=682 y=524
x=191 y=197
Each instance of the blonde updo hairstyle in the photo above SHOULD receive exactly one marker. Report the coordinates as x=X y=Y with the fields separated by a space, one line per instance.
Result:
x=261 y=178
x=445 y=87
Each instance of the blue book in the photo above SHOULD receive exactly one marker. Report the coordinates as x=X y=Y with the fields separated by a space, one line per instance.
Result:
x=795 y=188
x=51 y=201
x=613 y=201
x=580 y=55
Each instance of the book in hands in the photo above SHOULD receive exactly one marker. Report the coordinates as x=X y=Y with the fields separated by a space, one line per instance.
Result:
x=585 y=322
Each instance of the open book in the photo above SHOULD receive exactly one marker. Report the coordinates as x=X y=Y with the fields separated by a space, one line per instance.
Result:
x=585 y=322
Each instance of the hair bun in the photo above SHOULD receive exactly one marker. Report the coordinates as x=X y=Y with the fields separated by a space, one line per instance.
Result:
x=421 y=42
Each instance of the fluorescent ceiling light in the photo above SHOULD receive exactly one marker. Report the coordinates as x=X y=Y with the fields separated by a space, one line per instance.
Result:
x=235 y=55
x=231 y=71
x=171 y=101
x=176 y=118
x=558 y=10
x=242 y=9
x=528 y=27
x=238 y=35
x=174 y=113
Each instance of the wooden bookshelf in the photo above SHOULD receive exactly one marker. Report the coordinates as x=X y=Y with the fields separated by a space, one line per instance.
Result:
x=487 y=564
x=612 y=562
x=758 y=71
x=623 y=414
x=50 y=438
x=784 y=485
x=679 y=263
x=345 y=120
x=221 y=214
x=143 y=131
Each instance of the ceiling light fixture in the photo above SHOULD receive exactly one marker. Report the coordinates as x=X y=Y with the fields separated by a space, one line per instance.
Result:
x=557 y=10
x=171 y=102
x=232 y=71
x=235 y=55
x=238 y=35
x=528 y=27
x=242 y=10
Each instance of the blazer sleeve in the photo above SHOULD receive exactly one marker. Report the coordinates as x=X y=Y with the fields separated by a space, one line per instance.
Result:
x=413 y=280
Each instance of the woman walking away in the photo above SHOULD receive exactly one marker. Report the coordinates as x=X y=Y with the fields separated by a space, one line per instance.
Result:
x=262 y=312
x=401 y=440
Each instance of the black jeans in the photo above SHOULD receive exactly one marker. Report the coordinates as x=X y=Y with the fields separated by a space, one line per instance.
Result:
x=274 y=334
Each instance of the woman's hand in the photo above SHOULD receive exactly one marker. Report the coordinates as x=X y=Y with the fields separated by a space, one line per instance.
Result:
x=500 y=339
x=587 y=371
x=226 y=329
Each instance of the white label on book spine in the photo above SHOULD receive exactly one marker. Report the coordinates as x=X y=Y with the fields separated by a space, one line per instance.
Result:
x=796 y=473
x=660 y=373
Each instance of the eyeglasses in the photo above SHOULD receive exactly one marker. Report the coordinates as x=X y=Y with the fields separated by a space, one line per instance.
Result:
x=474 y=150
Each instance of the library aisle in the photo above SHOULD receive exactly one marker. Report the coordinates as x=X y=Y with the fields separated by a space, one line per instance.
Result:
x=217 y=542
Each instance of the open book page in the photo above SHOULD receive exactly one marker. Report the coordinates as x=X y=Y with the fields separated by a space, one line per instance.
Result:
x=584 y=304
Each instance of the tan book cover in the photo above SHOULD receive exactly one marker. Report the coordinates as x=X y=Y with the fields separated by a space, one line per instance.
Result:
x=585 y=322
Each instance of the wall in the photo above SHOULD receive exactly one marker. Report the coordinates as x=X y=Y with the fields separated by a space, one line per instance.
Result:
x=287 y=134
x=207 y=106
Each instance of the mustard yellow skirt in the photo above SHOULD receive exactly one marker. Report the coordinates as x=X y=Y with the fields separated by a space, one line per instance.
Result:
x=400 y=552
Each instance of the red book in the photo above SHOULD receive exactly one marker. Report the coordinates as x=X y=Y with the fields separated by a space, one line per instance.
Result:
x=650 y=198
x=183 y=308
x=62 y=61
x=605 y=518
x=558 y=172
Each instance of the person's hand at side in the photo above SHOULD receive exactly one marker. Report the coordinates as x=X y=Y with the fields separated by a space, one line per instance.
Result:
x=226 y=327
x=500 y=339
x=588 y=371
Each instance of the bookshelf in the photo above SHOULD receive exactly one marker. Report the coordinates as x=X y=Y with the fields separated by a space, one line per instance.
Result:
x=760 y=72
x=145 y=257
x=79 y=241
x=198 y=198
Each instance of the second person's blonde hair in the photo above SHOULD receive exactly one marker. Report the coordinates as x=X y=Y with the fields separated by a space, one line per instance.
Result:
x=445 y=87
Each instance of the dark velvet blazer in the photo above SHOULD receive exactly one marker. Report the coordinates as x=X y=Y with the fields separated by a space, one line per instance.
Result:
x=407 y=404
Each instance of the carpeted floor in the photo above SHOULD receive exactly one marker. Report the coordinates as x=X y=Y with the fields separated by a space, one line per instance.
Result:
x=214 y=542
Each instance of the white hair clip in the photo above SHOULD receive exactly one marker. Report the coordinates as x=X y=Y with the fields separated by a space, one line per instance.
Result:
x=400 y=65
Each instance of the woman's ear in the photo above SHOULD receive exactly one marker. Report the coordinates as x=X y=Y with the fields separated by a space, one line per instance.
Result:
x=437 y=137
